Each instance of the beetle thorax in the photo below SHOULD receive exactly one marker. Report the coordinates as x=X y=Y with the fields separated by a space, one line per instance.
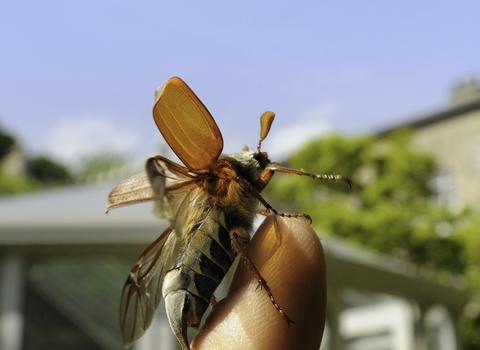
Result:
x=221 y=183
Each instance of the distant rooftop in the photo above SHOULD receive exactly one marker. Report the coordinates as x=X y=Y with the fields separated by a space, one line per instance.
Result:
x=75 y=215
x=465 y=97
x=465 y=93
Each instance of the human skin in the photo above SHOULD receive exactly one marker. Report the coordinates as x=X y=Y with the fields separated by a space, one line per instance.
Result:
x=289 y=256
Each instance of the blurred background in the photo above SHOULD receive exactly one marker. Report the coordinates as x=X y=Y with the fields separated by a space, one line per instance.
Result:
x=385 y=93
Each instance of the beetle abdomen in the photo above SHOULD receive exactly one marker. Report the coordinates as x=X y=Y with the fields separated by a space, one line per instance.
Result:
x=189 y=286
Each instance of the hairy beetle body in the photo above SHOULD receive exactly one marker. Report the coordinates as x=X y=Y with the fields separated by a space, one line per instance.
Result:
x=210 y=202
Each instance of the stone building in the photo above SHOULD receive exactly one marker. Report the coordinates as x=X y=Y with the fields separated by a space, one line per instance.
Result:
x=452 y=135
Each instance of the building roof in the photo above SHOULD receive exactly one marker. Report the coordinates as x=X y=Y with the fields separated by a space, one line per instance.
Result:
x=74 y=215
x=433 y=117
x=360 y=268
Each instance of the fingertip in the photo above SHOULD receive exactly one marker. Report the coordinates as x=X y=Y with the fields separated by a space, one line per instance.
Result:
x=289 y=256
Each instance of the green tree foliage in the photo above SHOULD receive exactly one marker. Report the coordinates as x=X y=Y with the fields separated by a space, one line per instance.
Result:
x=390 y=206
x=6 y=143
x=10 y=184
x=48 y=172
x=471 y=235
x=103 y=167
x=40 y=172
x=470 y=326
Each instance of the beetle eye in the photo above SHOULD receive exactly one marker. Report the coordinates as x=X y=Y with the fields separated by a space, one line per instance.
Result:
x=257 y=156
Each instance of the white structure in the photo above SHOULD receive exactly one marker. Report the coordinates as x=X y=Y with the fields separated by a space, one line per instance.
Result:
x=63 y=263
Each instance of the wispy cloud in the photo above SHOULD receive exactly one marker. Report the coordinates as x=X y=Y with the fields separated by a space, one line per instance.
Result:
x=74 y=138
x=313 y=123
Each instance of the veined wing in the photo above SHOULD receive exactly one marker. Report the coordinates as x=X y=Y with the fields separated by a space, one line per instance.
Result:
x=135 y=189
x=177 y=193
x=142 y=292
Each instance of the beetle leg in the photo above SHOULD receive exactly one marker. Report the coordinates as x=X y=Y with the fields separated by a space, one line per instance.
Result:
x=263 y=212
x=267 y=206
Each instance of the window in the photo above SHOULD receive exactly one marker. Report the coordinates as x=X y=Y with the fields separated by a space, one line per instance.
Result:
x=443 y=187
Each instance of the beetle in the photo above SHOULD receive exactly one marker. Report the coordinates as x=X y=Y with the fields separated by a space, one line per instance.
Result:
x=210 y=201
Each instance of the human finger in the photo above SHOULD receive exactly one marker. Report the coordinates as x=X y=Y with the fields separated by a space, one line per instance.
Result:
x=289 y=256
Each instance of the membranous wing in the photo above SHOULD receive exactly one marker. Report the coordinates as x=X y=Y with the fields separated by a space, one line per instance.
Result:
x=142 y=291
x=135 y=189
x=177 y=195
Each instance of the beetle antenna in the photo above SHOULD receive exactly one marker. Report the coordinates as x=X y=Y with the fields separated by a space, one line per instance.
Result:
x=259 y=146
x=266 y=121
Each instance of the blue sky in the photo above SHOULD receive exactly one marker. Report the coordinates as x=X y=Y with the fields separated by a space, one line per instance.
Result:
x=78 y=77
